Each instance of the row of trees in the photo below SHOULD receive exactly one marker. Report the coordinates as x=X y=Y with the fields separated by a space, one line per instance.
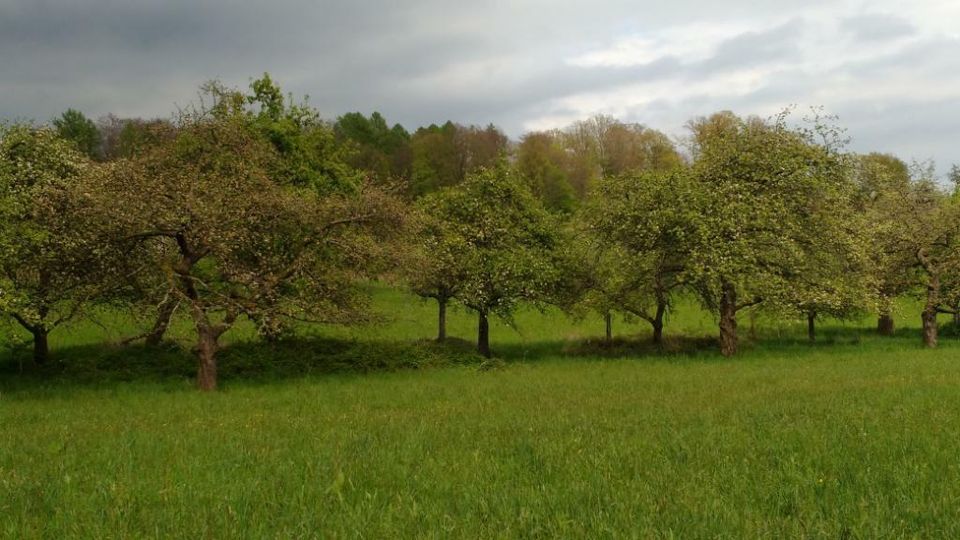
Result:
x=248 y=205
x=764 y=215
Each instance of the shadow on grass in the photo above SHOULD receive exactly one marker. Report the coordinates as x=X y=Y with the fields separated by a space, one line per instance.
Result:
x=620 y=347
x=257 y=361
x=92 y=364
x=765 y=342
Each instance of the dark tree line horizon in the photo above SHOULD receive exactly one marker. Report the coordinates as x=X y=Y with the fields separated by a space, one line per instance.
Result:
x=248 y=204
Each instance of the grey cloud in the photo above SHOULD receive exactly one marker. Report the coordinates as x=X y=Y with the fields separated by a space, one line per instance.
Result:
x=139 y=57
x=754 y=48
x=878 y=27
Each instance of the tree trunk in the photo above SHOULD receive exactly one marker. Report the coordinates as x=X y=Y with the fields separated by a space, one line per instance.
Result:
x=812 y=326
x=608 y=323
x=40 y=333
x=929 y=319
x=41 y=344
x=956 y=316
x=164 y=314
x=728 y=320
x=207 y=347
x=483 y=335
x=442 y=320
x=657 y=323
x=929 y=315
x=885 y=325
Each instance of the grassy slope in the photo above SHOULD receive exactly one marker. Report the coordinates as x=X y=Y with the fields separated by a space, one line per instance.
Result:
x=859 y=436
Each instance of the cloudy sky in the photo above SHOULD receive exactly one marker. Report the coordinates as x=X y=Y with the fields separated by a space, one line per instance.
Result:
x=890 y=70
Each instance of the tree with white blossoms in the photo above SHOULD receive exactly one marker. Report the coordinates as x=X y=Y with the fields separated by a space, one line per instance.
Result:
x=763 y=191
x=881 y=182
x=833 y=277
x=53 y=260
x=922 y=231
x=232 y=241
x=435 y=267
x=633 y=234
x=496 y=238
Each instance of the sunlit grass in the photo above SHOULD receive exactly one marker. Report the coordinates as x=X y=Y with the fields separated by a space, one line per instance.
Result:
x=856 y=436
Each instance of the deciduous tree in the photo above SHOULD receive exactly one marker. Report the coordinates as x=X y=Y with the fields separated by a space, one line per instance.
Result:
x=52 y=256
x=761 y=185
x=496 y=233
x=238 y=242
x=73 y=126
x=636 y=232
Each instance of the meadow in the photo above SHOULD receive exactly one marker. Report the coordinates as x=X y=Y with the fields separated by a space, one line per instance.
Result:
x=376 y=432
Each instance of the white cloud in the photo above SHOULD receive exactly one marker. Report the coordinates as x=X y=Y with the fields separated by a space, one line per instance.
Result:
x=849 y=57
x=885 y=68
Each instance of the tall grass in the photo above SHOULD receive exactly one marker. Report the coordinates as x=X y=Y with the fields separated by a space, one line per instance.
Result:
x=856 y=436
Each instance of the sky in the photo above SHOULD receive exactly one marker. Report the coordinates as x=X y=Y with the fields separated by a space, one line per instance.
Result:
x=889 y=70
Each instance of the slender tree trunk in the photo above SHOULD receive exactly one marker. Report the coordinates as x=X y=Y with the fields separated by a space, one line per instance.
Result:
x=41 y=344
x=608 y=323
x=483 y=335
x=442 y=320
x=728 y=320
x=812 y=326
x=657 y=323
x=929 y=315
x=207 y=347
x=164 y=314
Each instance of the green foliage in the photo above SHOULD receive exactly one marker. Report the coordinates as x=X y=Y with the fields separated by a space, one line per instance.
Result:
x=765 y=191
x=542 y=161
x=231 y=239
x=129 y=137
x=52 y=258
x=632 y=243
x=379 y=149
x=496 y=236
x=916 y=240
x=310 y=153
x=444 y=155
x=73 y=126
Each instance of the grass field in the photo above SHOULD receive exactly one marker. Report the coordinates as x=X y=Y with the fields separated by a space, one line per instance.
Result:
x=856 y=436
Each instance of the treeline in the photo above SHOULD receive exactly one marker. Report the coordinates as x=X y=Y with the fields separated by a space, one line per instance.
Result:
x=248 y=205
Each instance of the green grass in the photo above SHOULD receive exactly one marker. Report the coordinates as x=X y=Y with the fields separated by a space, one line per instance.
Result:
x=341 y=435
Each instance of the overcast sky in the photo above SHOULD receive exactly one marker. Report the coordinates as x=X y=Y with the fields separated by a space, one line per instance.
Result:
x=890 y=70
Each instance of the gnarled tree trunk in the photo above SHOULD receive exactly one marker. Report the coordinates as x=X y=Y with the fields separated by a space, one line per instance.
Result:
x=160 y=326
x=207 y=347
x=483 y=334
x=812 y=326
x=208 y=344
x=728 y=320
